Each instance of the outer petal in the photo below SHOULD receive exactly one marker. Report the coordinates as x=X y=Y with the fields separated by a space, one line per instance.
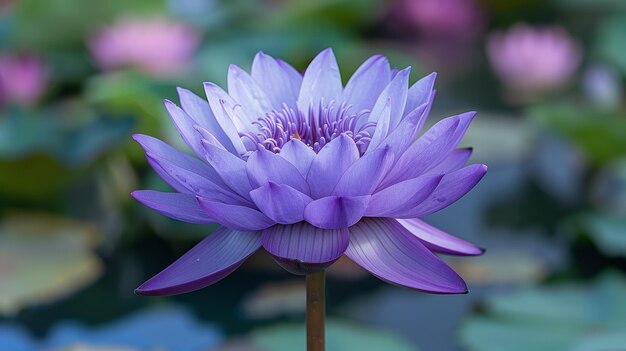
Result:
x=365 y=174
x=390 y=252
x=366 y=84
x=231 y=169
x=231 y=116
x=451 y=188
x=321 y=82
x=455 y=160
x=282 y=203
x=211 y=260
x=279 y=80
x=420 y=92
x=184 y=124
x=437 y=240
x=298 y=154
x=200 y=111
x=181 y=207
x=264 y=166
x=246 y=91
x=330 y=164
x=334 y=212
x=234 y=216
x=395 y=200
x=396 y=92
x=303 y=248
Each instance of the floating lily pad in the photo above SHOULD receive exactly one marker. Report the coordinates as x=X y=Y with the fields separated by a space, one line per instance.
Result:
x=43 y=259
x=561 y=317
x=608 y=233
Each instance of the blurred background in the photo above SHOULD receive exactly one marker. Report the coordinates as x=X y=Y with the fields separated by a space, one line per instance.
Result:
x=77 y=78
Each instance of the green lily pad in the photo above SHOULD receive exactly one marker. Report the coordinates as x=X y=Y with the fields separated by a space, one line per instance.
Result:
x=561 y=317
x=43 y=258
x=608 y=233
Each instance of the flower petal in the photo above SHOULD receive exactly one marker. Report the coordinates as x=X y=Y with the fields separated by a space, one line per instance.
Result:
x=298 y=154
x=451 y=188
x=321 y=82
x=235 y=216
x=300 y=245
x=246 y=91
x=264 y=166
x=366 y=84
x=334 y=212
x=364 y=175
x=393 y=201
x=231 y=169
x=390 y=252
x=184 y=125
x=199 y=110
x=330 y=164
x=181 y=207
x=231 y=116
x=396 y=92
x=437 y=240
x=454 y=161
x=279 y=80
x=282 y=203
x=420 y=93
x=215 y=257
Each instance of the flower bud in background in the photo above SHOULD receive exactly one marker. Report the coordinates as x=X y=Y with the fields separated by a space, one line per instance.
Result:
x=157 y=46
x=533 y=61
x=22 y=79
x=602 y=85
x=443 y=18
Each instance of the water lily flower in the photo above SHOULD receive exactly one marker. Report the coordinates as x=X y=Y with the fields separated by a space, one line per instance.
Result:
x=23 y=78
x=158 y=46
x=454 y=19
x=311 y=170
x=531 y=61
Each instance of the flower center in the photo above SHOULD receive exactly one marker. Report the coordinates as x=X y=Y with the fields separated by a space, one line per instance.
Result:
x=315 y=127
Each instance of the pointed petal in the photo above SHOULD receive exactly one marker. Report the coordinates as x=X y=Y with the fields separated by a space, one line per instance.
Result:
x=210 y=261
x=390 y=252
x=246 y=91
x=330 y=164
x=181 y=207
x=334 y=212
x=279 y=80
x=454 y=161
x=366 y=84
x=199 y=110
x=396 y=91
x=439 y=241
x=420 y=92
x=282 y=203
x=393 y=201
x=298 y=154
x=321 y=82
x=364 y=176
x=231 y=169
x=451 y=188
x=230 y=115
x=184 y=125
x=235 y=216
x=264 y=166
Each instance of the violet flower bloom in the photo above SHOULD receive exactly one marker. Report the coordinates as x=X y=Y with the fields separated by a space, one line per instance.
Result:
x=311 y=170
x=158 y=46
x=531 y=61
x=23 y=79
x=447 y=18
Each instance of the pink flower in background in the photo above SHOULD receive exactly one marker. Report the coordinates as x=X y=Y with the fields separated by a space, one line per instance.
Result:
x=22 y=78
x=158 y=46
x=449 y=18
x=531 y=61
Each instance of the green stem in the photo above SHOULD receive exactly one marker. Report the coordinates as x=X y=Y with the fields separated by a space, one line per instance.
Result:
x=315 y=311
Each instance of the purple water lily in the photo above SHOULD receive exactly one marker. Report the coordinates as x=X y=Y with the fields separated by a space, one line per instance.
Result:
x=311 y=170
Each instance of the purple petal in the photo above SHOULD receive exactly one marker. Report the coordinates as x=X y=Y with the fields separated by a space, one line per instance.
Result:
x=184 y=124
x=279 y=80
x=181 y=207
x=454 y=161
x=395 y=200
x=200 y=111
x=364 y=176
x=451 y=188
x=439 y=241
x=303 y=244
x=246 y=91
x=420 y=93
x=210 y=261
x=298 y=154
x=231 y=169
x=334 y=212
x=282 y=203
x=396 y=92
x=235 y=216
x=231 y=117
x=330 y=164
x=321 y=82
x=366 y=84
x=264 y=166
x=388 y=251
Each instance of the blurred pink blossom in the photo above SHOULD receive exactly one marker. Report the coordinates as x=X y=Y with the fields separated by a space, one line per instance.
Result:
x=158 y=46
x=531 y=61
x=455 y=19
x=22 y=78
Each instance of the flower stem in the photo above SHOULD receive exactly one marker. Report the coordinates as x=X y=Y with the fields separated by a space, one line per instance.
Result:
x=315 y=311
